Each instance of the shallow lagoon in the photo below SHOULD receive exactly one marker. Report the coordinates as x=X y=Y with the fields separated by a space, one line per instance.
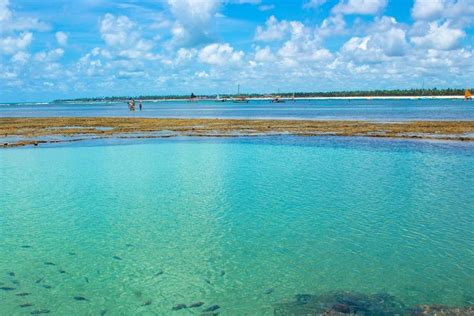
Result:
x=244 y=223
x=369 y=109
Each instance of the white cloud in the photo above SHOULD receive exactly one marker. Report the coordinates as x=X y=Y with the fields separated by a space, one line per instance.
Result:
x=368 y=7
x=266 y=7
x=219 y=54
x=20 y=58
x=49 y=56
x=124 y=38
x=201 y=74
x=386 y=39
x=61 y=38
x=460 y=12
x=5 y=13
x=11 y=22
x=314 y=3
x=264 y=54
x=333 y=25
x=274 y=30
x=439 y=36
x=12 y=45
x=193 y=20
x=115 y=31
x=427 y=9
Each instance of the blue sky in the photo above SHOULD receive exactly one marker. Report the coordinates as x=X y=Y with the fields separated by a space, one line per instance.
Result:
x=64 y=49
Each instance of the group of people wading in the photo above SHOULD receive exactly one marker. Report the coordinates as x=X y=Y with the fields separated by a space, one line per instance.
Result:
x=131 y=105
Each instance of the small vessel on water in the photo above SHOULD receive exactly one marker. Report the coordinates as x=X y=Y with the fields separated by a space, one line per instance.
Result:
x=219 y=99
x=467 y=95
x=239 y=98
x=278 y=99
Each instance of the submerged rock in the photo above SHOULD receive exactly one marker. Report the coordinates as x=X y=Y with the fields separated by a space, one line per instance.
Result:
x=177 y=307
x=49 y=263
x=147 y=303
x=211 y=308
x=26 y=246
x=11 y=274
x=23 y=294
x=341 y=303
x=39 y=280
x=117 y=258
x=47 y=286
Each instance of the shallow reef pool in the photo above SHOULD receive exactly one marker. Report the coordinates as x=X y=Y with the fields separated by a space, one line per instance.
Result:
x=256 y=226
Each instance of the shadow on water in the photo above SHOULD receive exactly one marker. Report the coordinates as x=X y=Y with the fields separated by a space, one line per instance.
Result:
x=353 y=303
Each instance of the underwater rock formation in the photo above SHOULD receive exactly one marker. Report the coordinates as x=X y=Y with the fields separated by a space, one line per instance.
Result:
x=353 y=303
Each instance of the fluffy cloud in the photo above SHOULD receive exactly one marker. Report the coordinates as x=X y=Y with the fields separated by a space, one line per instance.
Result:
x=123 y=37
x=427 y=9
x=5 y=13
x=193 y=20
x=266 y=7
x=387 y=39
x=314 y=3
x=460 y=11
x=14 y=44
x=219 y=54
x=333 y=25
x=274 y=30
x=115 y=30
x=368 y=7
x=439 y=36
x=49 y=56
x=10 y=22
x=264 y=54
x=277 y=30
x=61 y=38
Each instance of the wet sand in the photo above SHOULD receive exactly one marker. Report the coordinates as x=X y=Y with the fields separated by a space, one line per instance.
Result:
x=34 y=131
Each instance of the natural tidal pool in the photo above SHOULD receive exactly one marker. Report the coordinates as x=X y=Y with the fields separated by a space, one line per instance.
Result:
x=250 y=226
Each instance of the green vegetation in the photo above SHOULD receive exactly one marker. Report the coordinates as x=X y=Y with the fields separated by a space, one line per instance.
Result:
x=361 y=93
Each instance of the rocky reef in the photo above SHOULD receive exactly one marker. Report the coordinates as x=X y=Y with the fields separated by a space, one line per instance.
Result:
x=353 y=303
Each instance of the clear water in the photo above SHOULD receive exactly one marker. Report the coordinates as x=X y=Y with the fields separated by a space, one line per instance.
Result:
x=227 y=219
x=377 y=110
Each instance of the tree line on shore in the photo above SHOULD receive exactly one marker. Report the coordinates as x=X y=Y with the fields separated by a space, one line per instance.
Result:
x=356 y=93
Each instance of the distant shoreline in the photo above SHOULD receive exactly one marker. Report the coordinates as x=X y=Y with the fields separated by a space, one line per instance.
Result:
x=229 y=100
x=34 y=131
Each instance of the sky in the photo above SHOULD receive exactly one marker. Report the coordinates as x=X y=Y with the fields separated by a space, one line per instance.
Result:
x=89 y=48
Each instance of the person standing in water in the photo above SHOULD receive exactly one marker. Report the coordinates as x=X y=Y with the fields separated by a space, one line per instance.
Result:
x=140 y=105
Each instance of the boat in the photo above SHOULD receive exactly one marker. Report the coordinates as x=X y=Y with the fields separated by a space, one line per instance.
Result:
x=239 y=98
x=219 y=99
x=277 y=99
x=467 y=95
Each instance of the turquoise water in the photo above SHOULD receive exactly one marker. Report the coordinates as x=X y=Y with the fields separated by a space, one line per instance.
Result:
x=242 y=223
